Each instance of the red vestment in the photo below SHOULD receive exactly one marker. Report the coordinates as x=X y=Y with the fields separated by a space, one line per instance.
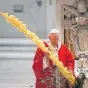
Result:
x=64 y=55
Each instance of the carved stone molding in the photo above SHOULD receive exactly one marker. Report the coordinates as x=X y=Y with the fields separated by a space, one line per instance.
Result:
x=75 y=26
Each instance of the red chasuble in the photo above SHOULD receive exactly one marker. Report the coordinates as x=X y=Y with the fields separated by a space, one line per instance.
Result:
x=44 y=76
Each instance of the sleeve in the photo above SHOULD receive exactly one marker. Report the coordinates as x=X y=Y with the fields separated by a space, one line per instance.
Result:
x=70 y=61
x=37 y=64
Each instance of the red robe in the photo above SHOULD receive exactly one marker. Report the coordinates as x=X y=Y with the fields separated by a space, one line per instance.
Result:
x=64 y=55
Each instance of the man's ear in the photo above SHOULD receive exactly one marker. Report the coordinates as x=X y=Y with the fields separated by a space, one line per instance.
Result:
x=49 y=36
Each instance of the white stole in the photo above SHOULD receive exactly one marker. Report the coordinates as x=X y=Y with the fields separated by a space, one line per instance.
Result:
x=54 y=50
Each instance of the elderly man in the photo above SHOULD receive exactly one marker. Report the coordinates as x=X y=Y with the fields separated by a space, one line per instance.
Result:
x=46 y=72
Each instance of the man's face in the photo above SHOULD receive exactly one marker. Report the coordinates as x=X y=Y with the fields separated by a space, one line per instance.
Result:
x=82 y=7
x=54 y=38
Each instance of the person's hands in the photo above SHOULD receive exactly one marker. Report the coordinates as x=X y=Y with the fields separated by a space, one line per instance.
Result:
x=47 y=53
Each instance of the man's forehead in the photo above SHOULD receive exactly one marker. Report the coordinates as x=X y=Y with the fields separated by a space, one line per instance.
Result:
x=54 y=34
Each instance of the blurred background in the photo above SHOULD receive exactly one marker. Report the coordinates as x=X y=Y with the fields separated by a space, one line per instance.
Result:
x=16 y=51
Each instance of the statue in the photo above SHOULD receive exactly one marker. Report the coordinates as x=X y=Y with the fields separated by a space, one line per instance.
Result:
x=75 y=24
